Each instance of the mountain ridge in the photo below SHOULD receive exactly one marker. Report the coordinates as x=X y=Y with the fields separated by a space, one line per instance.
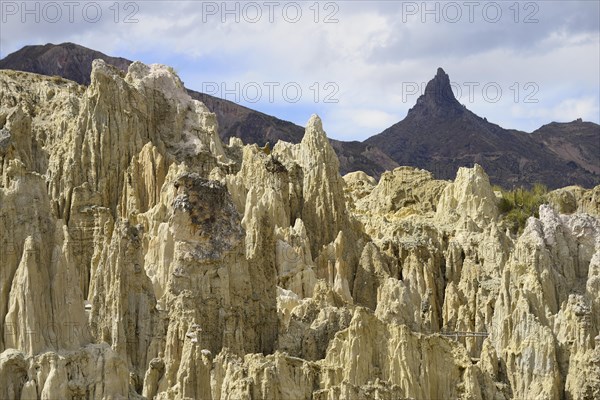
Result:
x=438 y=133
x=74 y=62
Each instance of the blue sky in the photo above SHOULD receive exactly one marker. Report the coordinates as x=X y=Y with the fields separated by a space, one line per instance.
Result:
x=357 y=64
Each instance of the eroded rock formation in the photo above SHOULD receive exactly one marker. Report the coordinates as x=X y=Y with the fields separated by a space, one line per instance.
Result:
x=140 y=257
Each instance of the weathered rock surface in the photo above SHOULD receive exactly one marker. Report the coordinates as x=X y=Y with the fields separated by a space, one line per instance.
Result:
x=573 y=199
x=140 y=257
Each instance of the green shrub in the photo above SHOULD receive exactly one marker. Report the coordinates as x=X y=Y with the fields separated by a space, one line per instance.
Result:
x=517 y=205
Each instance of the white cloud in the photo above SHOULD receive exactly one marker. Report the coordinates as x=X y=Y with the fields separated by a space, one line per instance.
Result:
x=370 y=54
x=567 y=110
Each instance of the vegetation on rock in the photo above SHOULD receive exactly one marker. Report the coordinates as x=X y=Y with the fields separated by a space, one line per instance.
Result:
x=517 y=205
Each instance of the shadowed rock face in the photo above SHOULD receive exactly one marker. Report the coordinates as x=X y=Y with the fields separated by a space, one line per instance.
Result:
x=207 y=208
x=141 y=256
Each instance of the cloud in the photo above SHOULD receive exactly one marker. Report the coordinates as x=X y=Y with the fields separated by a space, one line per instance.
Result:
x=569 y=109
x=522 y=27
x=371 y=52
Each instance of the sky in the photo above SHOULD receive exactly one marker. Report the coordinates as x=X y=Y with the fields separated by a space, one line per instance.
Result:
x=360 y=65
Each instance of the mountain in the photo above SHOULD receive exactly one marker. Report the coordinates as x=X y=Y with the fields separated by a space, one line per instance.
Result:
x=74 y=62
x=67 y=60
x=440 y=134
x=249 y=125
x=576 y=142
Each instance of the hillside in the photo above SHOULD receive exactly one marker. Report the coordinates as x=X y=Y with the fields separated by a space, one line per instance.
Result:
x=440 y=134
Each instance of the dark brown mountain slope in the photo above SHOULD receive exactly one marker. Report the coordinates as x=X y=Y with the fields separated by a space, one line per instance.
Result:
x=249 y=125
x=577 y=142
x=439 y=134
x=67 y=60
x=74 y=62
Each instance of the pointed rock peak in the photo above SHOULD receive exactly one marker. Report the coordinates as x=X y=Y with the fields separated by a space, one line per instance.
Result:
x=439 y=88
x=315 y=123
x=438 y=98
x=314 y=130
x=316 y=149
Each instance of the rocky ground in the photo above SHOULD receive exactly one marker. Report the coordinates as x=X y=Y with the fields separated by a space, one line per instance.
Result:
x=141 y=257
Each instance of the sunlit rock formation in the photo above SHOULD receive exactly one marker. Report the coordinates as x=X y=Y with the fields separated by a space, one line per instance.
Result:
x=141 y=257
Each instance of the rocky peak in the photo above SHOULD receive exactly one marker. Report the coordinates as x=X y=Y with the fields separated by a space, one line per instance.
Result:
x=438 y=99
x=315 y=149
x=470 y=196
x=314 y=135
x=324 y=209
